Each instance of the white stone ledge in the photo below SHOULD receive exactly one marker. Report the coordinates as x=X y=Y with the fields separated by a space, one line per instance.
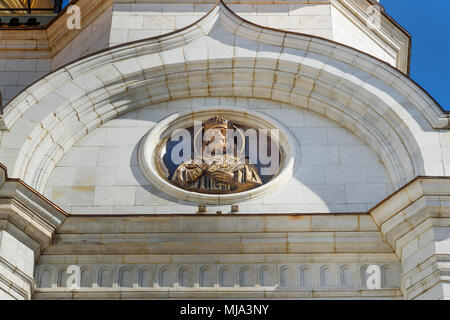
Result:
x=165 y=294
x=216 y=223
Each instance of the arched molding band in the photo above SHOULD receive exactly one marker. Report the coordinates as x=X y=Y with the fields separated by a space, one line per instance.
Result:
x=390 y=138
x=220 y=13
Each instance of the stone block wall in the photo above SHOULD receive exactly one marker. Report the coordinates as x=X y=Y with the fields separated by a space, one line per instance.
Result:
x=17 y=73
x=134 y=21
x=93 y=37
x=37 y=52
x=232 y=280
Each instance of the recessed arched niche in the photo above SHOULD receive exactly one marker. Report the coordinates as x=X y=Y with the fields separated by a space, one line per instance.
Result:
x=217 y=155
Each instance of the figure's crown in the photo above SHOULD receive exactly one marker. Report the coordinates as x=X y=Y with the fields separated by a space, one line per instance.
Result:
x=218 y=122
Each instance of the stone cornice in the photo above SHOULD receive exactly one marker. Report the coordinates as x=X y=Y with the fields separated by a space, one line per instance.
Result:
x=229 y=234
x=27 y=214
x=415 y=221
x=10 y=271
x=408 y=208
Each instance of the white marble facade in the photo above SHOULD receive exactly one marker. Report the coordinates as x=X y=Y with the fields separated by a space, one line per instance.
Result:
x=369 y=182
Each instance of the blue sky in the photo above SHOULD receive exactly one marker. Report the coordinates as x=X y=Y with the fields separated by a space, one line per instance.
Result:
x=429 y=25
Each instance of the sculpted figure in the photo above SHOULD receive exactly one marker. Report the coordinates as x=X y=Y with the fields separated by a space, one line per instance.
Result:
x=218 y=172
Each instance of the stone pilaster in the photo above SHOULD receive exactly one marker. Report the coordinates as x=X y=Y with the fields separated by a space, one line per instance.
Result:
x=27 y=224
x=415 y=221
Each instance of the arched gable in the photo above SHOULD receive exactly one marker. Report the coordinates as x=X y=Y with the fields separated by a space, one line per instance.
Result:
x=223 y=55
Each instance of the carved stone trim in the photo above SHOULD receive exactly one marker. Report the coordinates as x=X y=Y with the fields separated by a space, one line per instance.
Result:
x=248 y=280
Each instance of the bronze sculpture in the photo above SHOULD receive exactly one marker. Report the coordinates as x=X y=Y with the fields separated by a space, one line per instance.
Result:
x=217 y=173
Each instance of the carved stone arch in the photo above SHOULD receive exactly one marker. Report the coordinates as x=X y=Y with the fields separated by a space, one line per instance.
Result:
x=385 y=148
x=47 y=277
x=284 y=276
x=105 y=277
x=363 y=275
x=146 y=277
x=327 y=278
x=266 y=276
x=287 y=276
x=306 y=277
x=186 y=277
x=125 y=277
x=165 y=277
x=207 y=276
x=62 y=276
x=246 y=276
x=389 y=277
x=86 y=275
x=346 y=276
x=226 y=278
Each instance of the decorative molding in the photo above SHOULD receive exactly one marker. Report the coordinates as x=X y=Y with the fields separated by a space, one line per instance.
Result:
x=415 y=222
x=248 y=279
x=15 y=282
x=27 y=224
x=30 y=212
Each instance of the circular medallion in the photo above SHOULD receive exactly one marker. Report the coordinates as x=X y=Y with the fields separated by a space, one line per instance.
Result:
x=217 y=156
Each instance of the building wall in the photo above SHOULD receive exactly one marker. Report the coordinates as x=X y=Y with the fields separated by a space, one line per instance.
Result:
x=337 y=172
x=16 y=74
x=295 y=252
x=28 y=55
x=93 y=37
x=346 y=31
x=135 y=21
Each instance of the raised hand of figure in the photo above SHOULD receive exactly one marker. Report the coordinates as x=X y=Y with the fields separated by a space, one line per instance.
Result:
x=223 y=177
